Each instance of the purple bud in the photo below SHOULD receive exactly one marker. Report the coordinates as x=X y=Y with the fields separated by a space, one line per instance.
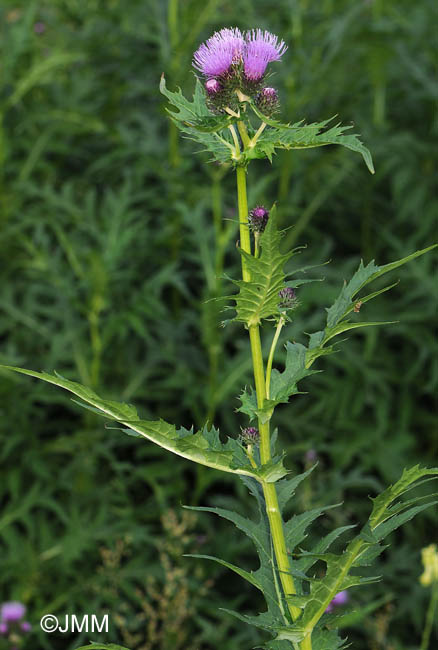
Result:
x=267 y=101
x=250 y=436
x=26 y=626
x=287 y=297
x=12 y=612
x=340 y=599
x=212 y=86
x=3 y=628
x=258 y=218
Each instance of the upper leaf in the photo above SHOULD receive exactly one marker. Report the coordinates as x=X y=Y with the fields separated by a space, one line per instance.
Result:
x=258 y=298
x=199 y=123
x=305 y=136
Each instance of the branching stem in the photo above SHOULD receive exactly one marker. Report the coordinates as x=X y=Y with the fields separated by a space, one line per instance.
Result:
x=281 y=322
x=253 y=141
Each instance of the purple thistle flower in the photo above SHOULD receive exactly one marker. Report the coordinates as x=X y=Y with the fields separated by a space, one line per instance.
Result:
x=250 y=436
x=258 y=219
x=262 y=48
x=212 y=86
x=215 y=57
x=287 y=297
x=26 y=626
x=341 y=598
x=3 y=628
x=12 y=612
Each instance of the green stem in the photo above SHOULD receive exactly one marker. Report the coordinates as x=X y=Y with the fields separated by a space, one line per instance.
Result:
x=429 y=617
x=253 y=141
x=243 y=134
x=245 y=241
x=306 y=644
x=271 y=355
x=269 y=490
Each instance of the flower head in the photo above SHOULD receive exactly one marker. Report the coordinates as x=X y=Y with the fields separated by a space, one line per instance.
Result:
x=261 y=48
x=12 y=612
x=429 y=557
x=3 y=628
x=258 y=219
x=250 y=436
x=215 y=57
x=341 y=598
x=288 y=298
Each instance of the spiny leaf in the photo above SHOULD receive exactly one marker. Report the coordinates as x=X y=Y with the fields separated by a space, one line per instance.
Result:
x=286 y=487
x=381 y=504
x=258 y=298
x=203 y=447
x=347 y=302
x=364 y=547
x=306 y=136
x=258 y=533
x=194 y=119
x=282 y=385
x=295 y=528
x=246 y=575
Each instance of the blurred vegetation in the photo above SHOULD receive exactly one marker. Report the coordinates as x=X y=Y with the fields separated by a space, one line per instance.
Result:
x=113 y=234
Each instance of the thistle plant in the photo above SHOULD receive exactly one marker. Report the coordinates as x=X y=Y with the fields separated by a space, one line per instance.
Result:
x=231 y=117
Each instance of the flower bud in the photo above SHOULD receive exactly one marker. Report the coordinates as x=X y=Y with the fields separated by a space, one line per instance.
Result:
x=258 y=218
x=267 y=101
x=287 y=297
x=212 y=86
x=250 y=436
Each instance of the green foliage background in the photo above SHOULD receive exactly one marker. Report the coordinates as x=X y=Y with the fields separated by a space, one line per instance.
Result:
x=113 y=234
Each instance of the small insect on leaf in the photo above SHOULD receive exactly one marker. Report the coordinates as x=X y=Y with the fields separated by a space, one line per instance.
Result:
x=357 y=306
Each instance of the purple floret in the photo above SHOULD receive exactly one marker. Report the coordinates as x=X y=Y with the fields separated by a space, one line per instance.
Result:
x=287 y=297
x=250 y=436
x=262 y=48
x=12 y=612
x=3 y=628
x=212 y=86
x=215 y=57
x=25 y=626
